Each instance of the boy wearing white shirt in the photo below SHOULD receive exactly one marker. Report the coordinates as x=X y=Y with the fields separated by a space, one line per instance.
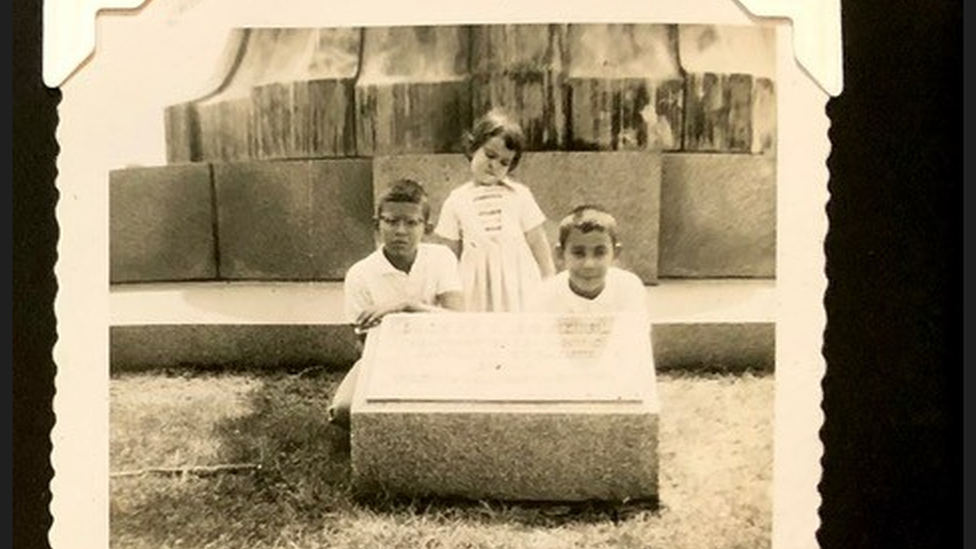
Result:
x=590 y=283
x=404 y=275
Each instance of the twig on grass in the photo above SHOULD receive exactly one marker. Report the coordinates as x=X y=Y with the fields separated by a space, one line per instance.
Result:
x=199 y=470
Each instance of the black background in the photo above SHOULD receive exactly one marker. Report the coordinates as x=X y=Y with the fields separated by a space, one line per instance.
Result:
x=892 y=473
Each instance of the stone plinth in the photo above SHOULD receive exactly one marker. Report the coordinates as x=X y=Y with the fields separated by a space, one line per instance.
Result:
x=715 y=347
x=293 y=220
x=162 y=224
x=718 y=216
x=506 y=406
x=151 y=347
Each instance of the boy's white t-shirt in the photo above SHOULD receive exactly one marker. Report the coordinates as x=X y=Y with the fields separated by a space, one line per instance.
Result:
x=623 y=292
x=374 y=280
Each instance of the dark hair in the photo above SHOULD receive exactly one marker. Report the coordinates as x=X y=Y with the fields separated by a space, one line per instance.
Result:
x=495 y=123
x=587 y=218
x=405 y=190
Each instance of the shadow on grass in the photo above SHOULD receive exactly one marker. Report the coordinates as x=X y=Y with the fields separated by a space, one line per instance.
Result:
x=301 y=485
x=302 y=474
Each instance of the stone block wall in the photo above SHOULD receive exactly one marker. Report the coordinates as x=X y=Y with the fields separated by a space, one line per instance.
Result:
x=680 y=215
x=678 y=347
x=292 y=220
x=718 y=216
x=162 y=224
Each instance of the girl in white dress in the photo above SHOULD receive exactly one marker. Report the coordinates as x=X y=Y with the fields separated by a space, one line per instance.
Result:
x=493 y=223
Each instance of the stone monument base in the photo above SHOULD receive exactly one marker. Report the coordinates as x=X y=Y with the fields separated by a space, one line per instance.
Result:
x=507 y=407
x=507 y=451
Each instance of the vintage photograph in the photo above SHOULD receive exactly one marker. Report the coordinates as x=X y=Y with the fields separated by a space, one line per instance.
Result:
x=458 y=284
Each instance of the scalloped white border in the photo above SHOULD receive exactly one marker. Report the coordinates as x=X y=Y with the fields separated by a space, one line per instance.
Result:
x=95 y=131
x=817 y=34
x=817 y=40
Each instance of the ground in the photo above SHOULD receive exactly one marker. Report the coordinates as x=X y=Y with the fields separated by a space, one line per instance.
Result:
x=286 y=480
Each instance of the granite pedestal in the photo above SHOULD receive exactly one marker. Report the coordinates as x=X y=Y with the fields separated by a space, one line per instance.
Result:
x=507 y=406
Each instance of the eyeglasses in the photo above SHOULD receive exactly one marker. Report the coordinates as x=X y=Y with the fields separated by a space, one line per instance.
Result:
x=408 y=222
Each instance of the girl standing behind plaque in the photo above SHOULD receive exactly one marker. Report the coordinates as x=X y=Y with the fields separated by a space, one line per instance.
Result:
x=493 y=223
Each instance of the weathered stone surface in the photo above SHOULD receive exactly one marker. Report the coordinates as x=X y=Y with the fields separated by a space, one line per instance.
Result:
x=706 y=114
x=226 y=132
x=325 y=122
x=626 y=183
x=183 y=133
x=715 y=347
x=227 y=126
x=569 y=412
x=273 y=120
x=542 y=453
x=264 y=220
x=182 y=126
x=341 y=215
x=718 y=216
x=729 y=100
x=729 y=113
x=611 y=114
x=625 y=87
x=763 y=116
x=161 y=224
x=214 y=346
x=314 y=92
x=740 y=113
x=295 y=220
x=412 y=117
x=413 y=92
x=519 y=68
x=304 y=105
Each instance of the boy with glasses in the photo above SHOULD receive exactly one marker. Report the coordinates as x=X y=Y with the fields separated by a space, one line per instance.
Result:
x=404 y=276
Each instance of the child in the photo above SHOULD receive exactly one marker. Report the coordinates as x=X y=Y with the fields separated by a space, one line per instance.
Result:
x=404 y=275
x=590 y=283
x=493 y=223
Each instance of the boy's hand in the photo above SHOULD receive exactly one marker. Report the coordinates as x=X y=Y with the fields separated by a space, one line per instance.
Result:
x=372 y=316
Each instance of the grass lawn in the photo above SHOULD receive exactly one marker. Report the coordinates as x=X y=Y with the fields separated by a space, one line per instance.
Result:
x=715 y=474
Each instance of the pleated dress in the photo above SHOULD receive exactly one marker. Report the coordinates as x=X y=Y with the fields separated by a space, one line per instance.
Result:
x=497 y=268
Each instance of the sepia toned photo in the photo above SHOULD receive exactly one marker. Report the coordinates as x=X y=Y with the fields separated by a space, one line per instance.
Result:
x=353 y=282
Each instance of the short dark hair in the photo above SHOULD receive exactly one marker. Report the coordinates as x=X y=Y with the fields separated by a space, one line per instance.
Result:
x=587 y=218
x=405 y=190
x=495 y=123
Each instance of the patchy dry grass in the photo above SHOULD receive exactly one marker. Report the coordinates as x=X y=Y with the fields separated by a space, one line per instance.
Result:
x=715 y=474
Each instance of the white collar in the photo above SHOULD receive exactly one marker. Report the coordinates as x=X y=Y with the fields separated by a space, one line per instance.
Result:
x=386 y=267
